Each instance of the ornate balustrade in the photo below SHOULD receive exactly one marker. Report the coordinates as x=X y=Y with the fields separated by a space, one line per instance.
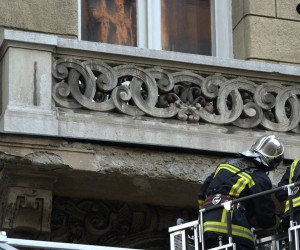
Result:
x=182 y=95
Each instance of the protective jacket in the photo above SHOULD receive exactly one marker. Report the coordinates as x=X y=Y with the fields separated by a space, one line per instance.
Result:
x=291 y=175
x=234 y=179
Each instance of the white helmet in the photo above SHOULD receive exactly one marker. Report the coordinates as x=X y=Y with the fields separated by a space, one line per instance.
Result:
x=267 y=150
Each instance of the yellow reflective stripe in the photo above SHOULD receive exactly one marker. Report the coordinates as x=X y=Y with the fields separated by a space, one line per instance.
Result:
x=238 y=187
x=235 y=170
x=296 y=203
x=292 y=170
x=223 y=218
x=283 y=203
x=241 y=183
x=221 y=227
x=200 y=203
x=229 y=167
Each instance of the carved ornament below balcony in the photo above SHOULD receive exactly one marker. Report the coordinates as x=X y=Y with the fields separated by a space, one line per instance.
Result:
x=115 y=224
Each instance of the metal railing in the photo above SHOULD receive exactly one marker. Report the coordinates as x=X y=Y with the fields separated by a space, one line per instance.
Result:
x=293 y=234
x=181 y=238
x=190 y=236
x=10 y=244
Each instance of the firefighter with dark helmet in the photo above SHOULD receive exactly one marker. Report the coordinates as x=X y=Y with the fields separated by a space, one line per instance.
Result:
x=291 y=175
x=236 y=178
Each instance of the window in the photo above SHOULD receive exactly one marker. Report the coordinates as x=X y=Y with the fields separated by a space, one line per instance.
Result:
x=190 y=26
x=109 y=21
x=186 y=26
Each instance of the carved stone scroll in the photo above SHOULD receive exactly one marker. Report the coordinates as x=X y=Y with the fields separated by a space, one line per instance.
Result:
x=187 y=96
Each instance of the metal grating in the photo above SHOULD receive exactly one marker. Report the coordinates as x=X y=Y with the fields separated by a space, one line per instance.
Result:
x=178 y=242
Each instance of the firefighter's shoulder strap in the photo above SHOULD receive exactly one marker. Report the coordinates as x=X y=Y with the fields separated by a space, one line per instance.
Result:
x=244 y=165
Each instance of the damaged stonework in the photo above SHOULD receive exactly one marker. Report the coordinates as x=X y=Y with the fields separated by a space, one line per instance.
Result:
x=125 y=173
x=26 y=203
x=99 y=171
x=26 y=192
x=45 y=158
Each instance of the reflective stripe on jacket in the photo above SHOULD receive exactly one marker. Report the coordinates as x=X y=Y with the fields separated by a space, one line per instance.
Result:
x=292 y=174
x=221 y=227
x=244 y=180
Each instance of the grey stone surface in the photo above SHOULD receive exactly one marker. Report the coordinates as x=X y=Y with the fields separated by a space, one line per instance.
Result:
x=90 y=170
x=265 y=8
x=264 y=45
x=53 y=17
x=266 y=31
x=287 y=10
x=237 y=13
x=26 y=83
x=207 y=137
x=254 y=39
x=239 y=41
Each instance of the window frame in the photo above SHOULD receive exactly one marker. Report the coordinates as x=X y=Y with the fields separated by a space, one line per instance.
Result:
x=149 y=16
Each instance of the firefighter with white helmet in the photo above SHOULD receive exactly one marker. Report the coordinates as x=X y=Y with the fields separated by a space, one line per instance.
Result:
x=268 y=151
x=245 y=175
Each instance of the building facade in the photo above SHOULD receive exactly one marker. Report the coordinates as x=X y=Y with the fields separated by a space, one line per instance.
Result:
x=111 y=120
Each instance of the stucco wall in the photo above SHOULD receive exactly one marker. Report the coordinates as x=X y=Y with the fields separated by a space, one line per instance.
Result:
x=53 y=17
x=266 y=30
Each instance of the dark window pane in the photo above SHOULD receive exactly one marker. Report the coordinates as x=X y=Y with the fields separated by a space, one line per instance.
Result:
x=109 y=21
x=186 y=26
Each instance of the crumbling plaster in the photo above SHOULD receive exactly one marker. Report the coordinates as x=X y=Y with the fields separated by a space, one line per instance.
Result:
x=160 y=176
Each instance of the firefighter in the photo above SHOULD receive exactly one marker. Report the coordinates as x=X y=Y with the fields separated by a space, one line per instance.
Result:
x=291 y=175
x=236 y=178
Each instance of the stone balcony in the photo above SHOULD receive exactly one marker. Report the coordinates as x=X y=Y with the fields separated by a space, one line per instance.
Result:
x=67 y=88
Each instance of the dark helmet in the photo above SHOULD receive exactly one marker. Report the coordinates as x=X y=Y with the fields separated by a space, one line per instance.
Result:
x=267 y=150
